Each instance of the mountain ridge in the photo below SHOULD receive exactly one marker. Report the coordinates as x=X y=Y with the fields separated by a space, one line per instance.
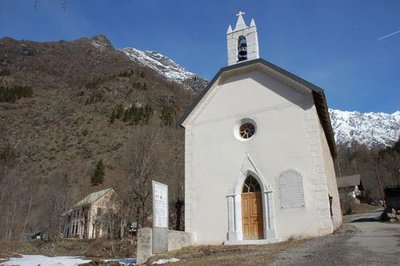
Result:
x=166 y=67
x=371 y=128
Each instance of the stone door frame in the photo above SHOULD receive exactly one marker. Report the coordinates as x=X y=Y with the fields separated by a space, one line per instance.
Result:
x=234 y=202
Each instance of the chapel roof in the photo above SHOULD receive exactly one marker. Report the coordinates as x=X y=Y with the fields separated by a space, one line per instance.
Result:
x=317 y=92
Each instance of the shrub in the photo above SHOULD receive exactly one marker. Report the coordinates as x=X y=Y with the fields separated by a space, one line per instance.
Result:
x=133 y=114
x=112 y=117
x=139 y=85
x=5 y=72
x=119 y=111
x=126 y=73
x=85 y=132
x=11 y=94
x=94 y=98
x=7 y=154
x=167 y=115
x=350 y=205
x=93 y=83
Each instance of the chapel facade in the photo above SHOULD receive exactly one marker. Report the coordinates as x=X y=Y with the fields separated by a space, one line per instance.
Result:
x=259 y=151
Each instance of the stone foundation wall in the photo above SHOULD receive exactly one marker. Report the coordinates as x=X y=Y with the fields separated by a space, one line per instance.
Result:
x=179 y=239
x=176 y=240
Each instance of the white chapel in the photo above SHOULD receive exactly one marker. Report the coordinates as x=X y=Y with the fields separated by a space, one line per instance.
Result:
x=259 y=150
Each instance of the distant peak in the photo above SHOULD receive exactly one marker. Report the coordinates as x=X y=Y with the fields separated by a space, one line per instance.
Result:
x=101 y=41
x=397 y=113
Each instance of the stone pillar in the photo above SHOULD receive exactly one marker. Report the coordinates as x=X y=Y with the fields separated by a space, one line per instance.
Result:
x=232 y=234
x=269 y=217
x=144 y=245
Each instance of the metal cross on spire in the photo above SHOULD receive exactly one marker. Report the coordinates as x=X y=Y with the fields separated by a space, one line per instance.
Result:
x=241 y=13
x=240 y=24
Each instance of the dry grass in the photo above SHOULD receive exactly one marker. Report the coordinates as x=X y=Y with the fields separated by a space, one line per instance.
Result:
x=228 y=255
x=89 y=248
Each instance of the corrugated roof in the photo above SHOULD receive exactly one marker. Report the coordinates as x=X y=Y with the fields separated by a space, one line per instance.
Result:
x=318 y=96
x=92 y=197
x=348 y=181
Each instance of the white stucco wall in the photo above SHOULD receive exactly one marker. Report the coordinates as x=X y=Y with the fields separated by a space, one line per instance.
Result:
x=214 y=156
x=331 y=181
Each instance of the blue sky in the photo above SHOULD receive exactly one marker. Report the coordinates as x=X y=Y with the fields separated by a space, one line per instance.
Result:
x=334 y=44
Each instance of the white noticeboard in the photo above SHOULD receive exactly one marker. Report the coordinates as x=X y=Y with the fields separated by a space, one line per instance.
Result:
x=160 y=205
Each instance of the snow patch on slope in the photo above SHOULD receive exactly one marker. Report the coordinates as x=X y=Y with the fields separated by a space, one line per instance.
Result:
x=166 y=67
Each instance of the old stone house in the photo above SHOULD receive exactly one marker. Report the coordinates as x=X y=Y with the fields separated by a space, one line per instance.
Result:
x=259 y=151
x=349 y=186
x=86 y=218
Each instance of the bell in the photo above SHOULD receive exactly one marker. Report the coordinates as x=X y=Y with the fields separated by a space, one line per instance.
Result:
x=242 y=51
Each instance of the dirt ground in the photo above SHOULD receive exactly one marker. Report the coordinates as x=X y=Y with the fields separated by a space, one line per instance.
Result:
x=228 y=255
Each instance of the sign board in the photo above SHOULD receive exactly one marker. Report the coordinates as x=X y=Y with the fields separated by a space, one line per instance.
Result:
x=160 y=217
x=160 y=205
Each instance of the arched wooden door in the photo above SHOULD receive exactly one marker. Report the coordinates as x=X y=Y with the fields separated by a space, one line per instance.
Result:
x=252 y=210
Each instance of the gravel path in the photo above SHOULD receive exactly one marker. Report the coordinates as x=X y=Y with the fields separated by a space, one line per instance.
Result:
x=374 y=243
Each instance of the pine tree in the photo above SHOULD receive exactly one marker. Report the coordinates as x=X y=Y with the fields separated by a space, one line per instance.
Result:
x=112 y=118
x=98 y=175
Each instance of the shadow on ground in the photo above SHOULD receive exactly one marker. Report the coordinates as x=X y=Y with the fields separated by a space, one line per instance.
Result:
x=364 y=220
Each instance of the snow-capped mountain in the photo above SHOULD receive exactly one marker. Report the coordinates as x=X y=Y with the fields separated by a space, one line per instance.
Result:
x=166 y=67
x=370 y=129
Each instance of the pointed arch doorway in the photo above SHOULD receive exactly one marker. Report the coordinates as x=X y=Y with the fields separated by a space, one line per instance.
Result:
x=263 y=227
x=252 y=209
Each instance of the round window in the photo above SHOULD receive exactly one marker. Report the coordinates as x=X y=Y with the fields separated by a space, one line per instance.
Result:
x=247 y=130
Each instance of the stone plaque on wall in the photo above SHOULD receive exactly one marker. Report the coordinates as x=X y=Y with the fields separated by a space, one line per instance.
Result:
x=291 y=190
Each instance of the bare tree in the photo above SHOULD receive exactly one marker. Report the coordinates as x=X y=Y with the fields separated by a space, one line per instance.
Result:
x=33 y=190
x=62 y=193
x=140 y=162
x=8 y=161
x=10 y=185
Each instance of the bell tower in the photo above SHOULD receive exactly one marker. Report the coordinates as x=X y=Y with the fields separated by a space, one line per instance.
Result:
x=242 y=41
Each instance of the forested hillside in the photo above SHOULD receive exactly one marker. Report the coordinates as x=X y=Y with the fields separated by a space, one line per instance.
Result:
x=67 y=106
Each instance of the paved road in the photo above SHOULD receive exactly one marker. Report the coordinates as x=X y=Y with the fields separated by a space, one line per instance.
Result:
x=374 y=243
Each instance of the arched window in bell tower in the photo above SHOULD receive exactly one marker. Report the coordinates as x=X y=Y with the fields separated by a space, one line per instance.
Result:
x=242 y=48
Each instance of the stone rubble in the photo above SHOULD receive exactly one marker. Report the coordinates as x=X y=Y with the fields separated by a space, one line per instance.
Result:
x=394 y=216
